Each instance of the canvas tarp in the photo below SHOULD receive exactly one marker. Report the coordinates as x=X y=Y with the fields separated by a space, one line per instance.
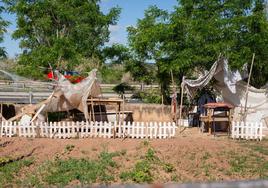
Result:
x=66 y=96
x=70 y=96
x=232 y=89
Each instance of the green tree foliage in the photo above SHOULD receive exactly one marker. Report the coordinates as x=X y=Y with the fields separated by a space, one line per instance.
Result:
x=193 y=35
x=3 y=25
x=59 y=31
x=236 y=29
x=140 y=71
x=147 y=41
x=116 y=54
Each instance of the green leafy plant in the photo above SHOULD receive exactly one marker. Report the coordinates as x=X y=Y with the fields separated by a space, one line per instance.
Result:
x=9 y=170
x=61 y=172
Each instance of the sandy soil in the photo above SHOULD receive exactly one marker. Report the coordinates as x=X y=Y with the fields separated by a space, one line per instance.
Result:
x=196 y=156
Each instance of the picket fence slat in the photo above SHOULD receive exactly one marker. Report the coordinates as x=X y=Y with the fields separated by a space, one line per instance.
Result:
x=66 y=130
x=247 y=130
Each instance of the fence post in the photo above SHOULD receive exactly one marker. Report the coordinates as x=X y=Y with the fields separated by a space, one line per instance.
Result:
x=260 y=133
x=142 y=130
x=110 y=128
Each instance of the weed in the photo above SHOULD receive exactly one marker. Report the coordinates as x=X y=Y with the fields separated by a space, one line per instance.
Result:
x=150 y=155
x=106 y=158
x=206 y=156
x=4 y=160
x=31 y=181
x=61 y=172
x=168 y=167
x=145 y=143
x=9 y=170
x=174 y=178
x=140 y=174
x=142 y=171
x=123 y=152
x=68 y=148
x=259 y=148
x=206 y=168
x=238 y=164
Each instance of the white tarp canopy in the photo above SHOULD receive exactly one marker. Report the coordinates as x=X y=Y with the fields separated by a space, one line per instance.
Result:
x=232 y=89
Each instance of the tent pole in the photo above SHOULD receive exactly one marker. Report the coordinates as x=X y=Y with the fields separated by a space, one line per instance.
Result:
x=174 y=107
x=249 y=76
x=182 y=91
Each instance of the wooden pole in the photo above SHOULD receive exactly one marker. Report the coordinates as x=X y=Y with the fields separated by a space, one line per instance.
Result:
x=182 y=91
x=174 y=93
x=92 y=108
x=249 y=76
x=1 y=112
x=123 y=107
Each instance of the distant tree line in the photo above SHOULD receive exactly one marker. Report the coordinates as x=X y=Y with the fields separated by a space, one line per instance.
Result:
x=72 y=34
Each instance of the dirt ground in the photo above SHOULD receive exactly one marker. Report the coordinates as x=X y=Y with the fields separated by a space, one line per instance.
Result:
x=196 y=157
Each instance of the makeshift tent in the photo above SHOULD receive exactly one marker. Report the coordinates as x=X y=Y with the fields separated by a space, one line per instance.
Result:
x=66 y=96
x=233 y=90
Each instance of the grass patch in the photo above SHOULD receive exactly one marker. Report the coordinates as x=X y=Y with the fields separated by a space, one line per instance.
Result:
x=248 y=165
x=142 y=172
x=61 y=172
x=9 y=170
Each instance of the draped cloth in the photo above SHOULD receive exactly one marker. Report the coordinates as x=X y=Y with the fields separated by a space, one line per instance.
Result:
x=232 y=89
x=68 y=96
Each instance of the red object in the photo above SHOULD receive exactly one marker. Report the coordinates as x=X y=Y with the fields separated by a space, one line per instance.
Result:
x=50 y=75
x=73 y=77
x=218 y=105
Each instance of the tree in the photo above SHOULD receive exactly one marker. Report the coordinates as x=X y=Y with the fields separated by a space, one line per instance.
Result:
x=147 y=41
x=59 y=32
x=193 y=35
x=3 y=25
x=236 y=29
x=116 y=54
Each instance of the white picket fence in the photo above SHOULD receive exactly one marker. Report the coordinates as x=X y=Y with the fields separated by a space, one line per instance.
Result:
x=150 y=130
x=247 y=130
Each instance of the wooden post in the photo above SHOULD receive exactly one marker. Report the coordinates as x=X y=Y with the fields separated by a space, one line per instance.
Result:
x=251 y=66
x=174 y=93
x=1 y=112
x=92 y=108
x=123 y=107
x=100 y=111
x=182 y=91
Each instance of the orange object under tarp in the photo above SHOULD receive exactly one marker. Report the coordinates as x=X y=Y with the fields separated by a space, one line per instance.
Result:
x=218 y=105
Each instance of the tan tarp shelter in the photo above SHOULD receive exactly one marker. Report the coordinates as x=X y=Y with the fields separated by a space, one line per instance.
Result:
x=66 y=96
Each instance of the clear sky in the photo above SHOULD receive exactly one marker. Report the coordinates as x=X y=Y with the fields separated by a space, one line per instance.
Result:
x=131 y=11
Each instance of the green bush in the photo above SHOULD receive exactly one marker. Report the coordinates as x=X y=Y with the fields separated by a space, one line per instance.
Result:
x=149 y=96
x=111 y=74
x=122 y=88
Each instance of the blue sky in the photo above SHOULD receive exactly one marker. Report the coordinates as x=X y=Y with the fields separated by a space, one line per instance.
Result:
x=131 y=11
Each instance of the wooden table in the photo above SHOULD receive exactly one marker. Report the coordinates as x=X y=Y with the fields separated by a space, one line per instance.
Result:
x=210 y=118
